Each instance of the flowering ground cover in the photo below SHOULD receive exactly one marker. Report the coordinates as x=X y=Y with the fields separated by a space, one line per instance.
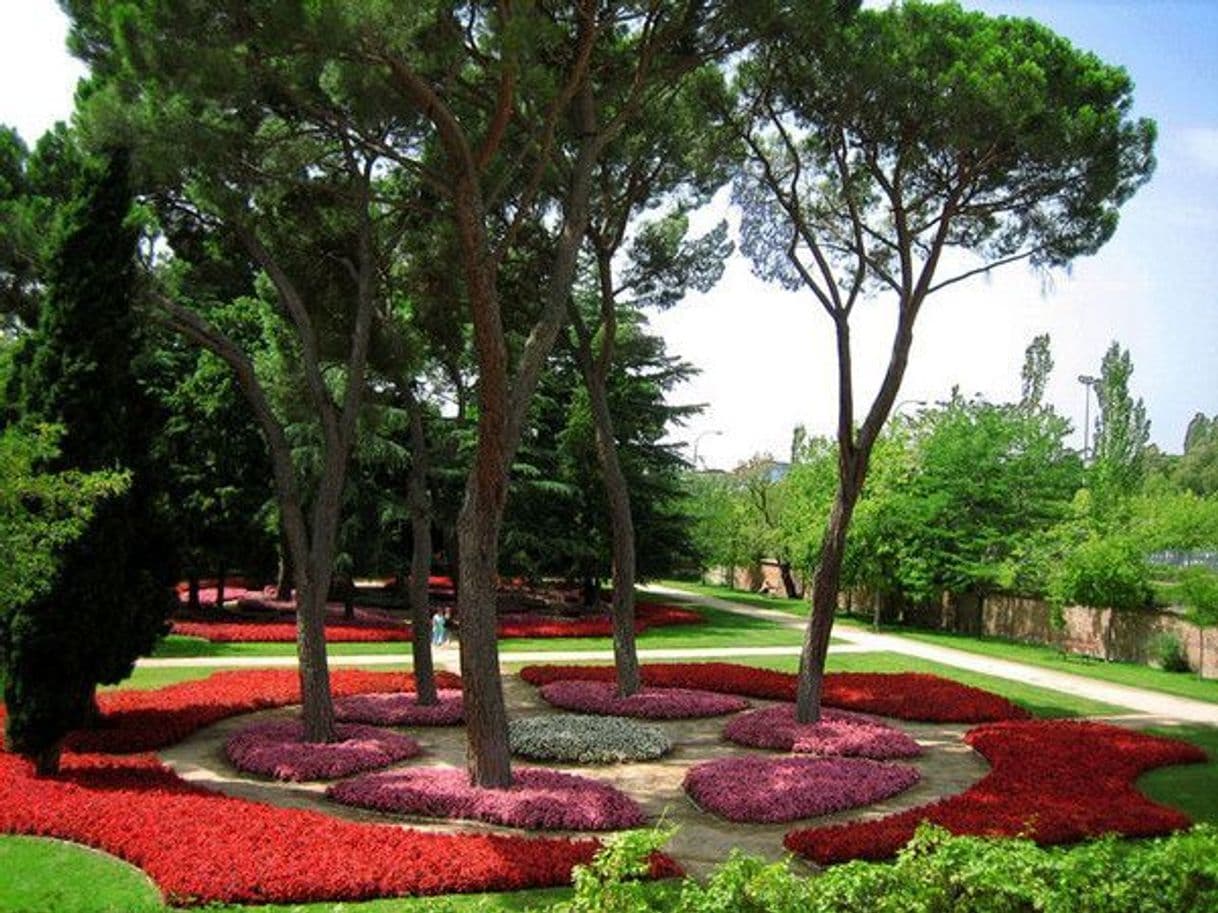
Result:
x=839 y=733
x=276 y=748
x=759 y=790
x=374 y=626
x=397 y=708
x=573 y=737
x=144 y=720
x=901 y=695
x=201 y=847
x=1051 y=780
x=648 y=703
x=539 y=799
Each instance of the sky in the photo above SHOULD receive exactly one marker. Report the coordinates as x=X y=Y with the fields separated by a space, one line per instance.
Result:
x=766 y=355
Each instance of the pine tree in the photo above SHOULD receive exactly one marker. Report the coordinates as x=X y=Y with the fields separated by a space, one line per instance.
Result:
x=110 y=598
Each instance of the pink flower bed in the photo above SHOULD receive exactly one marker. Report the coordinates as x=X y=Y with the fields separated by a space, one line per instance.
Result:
x=648 y=703
x=539 y=799
x=839 y=733
x=277 y=749
x=759 y=790
x=398 y=709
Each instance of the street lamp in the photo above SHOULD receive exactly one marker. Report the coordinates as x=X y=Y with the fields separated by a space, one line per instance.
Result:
x=697 y=441
x=1089 y=382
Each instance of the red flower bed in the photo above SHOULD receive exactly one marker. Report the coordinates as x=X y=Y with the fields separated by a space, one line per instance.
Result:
x=146 y=720
x=902 y=695
x=202 y=847
x=1054 y=781
x=371 y=626
x=646 y=615
x=270 y=632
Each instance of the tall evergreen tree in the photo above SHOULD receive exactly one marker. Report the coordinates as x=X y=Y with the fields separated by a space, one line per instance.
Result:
x=109 y=601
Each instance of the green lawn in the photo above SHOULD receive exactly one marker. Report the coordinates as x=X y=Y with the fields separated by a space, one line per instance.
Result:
x=757 y=600
x=1192 y=788
x=1181 y=684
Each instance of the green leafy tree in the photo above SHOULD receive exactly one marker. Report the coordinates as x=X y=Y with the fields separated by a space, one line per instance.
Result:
x=110 y=598
x=1121 y=433
x=1197 y=469
x=877 y=148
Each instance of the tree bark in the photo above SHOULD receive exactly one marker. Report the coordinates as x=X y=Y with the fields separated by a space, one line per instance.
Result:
x=220 y=590
x=788 y=579
x=418 y=502
x=192 y=598
x=824 y=606
x=46 y=762
x=621 y=522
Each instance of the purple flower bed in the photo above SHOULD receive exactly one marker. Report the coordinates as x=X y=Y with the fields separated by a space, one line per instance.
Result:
x=761 y=790
x=276 y=749
x=397 y=708
x=538 y=799
x=648 y=703
x=839 y=733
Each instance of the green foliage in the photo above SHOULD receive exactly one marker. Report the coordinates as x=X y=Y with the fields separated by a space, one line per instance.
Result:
x=1168 y=653
x=1198 y=591
x=41 y=512
x=108 y=602
x=1103 y=570
x=1121 y=433
x=1197 y=469
x=935 y=873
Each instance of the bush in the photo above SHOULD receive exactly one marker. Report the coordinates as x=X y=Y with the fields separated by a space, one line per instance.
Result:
x=936 y=873
x=1105 y=572
x=1168 y=653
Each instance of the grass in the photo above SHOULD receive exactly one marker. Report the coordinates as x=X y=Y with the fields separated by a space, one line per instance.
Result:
x=1181 y=684
x=1192 y=788
x=743 y=597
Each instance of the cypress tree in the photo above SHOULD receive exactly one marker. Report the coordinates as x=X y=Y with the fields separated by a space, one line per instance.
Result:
x=110 y=598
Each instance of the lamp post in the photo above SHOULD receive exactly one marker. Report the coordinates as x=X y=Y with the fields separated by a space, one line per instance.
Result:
x=1089 y=382
x=698 y=440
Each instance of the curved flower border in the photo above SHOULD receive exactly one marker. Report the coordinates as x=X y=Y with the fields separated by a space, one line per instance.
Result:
x=900 y=695
x=1055 y=781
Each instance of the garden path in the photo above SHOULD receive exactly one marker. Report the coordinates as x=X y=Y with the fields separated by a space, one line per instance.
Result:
x=1154 y=703
x=702 y=841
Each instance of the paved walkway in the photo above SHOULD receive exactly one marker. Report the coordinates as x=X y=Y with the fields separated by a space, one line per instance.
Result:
x=853 y=640
x=1155 y=703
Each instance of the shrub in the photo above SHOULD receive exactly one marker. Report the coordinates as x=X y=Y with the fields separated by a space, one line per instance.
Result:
x=1168 y=653
x=936 y=872
x=1105 y=572
x=572 y=737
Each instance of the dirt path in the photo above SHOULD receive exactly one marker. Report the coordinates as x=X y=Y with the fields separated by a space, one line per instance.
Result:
x=702 y=841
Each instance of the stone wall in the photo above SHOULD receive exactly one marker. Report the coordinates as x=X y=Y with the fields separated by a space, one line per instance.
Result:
x=752 y=578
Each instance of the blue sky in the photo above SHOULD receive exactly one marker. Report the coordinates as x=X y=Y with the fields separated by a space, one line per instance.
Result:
x=766 y=355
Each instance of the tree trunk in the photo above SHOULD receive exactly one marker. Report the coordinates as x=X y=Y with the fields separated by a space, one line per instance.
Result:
x=621 y=522
x=824 y=605
x=283 y=579
x=192 y=591
x=317 y=706
x=487 y=756
x=220 y=590
x=419 y=504
x=46 y=762
x=788 y=579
